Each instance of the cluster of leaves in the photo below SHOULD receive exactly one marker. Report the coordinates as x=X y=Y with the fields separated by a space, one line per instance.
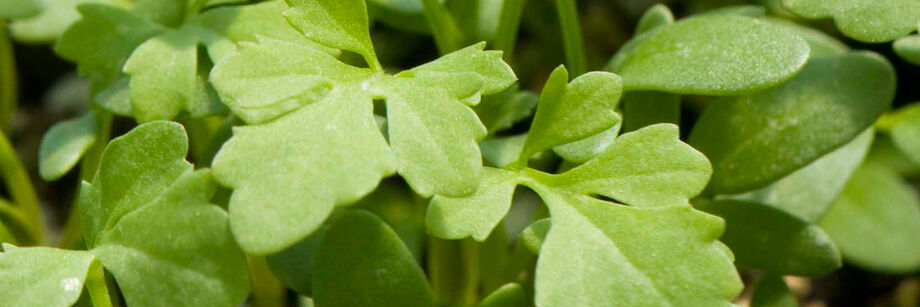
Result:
x=794 y=165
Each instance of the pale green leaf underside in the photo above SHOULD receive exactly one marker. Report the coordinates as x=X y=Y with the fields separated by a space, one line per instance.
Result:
x=370 y=264
x=876 y=220
x=798 y=195
x=535 y=233
x=508 y=295
x=307 y=164
x=866 y=20
x=42 y=276
x=713 y=55
x=808 y=117
x=602 y=254
x=587 y=148
x=64 y=144
x=766 y=238
x=656 y=16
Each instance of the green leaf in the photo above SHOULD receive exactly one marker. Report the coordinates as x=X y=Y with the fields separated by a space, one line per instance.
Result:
x=307 y=166
x=42 y=276
x=670 y=172
x=820 y=43
x=269 y=79
x=17 y=9
x=572 y=112
x=535 y=234
x=905 y=131
x=116 y=97
x=394 y=202
x=876 y=220
x=164 y=78
x=294 y=266
x=340 y=24
x=64 y=144
x=656 y=16
x=585 y=149
x=171 y=13
x=766 y=238
x=601 y=254
x=754 y=140
x=712 y=55
x=433 y=159
x=908 y=48
x=509 y=295
x=102 y=40
x=797 y=193
x=54 y=18
x=176 y=250
x=361 y=262
x=771 y=291
x=865 y=20
x=501 y=111
x=475 y=215
x=135 y=169
x=482 y=72
x=884 y=152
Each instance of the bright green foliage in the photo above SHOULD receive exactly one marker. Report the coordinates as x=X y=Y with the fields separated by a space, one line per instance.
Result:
x=771 y=291
x=164 y=78
x=501 y=111
x=340 y=24
x=797 y=195
x=712 y=55
x=769 y=239
x=820 y=43
x=643 y=108
x=10 y=9
x=866 y=20
x=602 y=254
x=144 y=192
x=756 y=139
x=876 y=220
x=908 y=48
x=42 y=276
x=905 y=131
x=317 y=133
x=475 y=215
x=534 y=235
x=64 y=144
x=502 y=151
x=102 y=41
x=369 y=264
x=509 y=295
x=656 y=16
x=587 y=148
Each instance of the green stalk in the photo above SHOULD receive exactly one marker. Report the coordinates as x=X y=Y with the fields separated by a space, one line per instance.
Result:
x=20 y=187
x=508 y=25
x=453 y=271
x=97 y=286
x=88 y=166
x=21 y=221
x=267 y=290
x=8 y=82
x=447 y=34
x=571 y=37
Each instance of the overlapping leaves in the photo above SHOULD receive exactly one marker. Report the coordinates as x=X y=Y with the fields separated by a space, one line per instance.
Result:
x=865 y=20
x=312 y=124
x=599 y=252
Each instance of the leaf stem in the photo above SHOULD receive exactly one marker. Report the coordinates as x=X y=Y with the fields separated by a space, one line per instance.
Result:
x=88 y=166
x=267 y=290
x=20 y=187
x=447 y=35
x=20 y=218
x=8 y=82
x=453 y=270
x=508 y=25
x=97 y=286
x=571 y=36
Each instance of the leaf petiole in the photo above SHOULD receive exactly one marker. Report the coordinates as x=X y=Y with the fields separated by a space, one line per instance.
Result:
x=447 y=34
x=575 y=58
